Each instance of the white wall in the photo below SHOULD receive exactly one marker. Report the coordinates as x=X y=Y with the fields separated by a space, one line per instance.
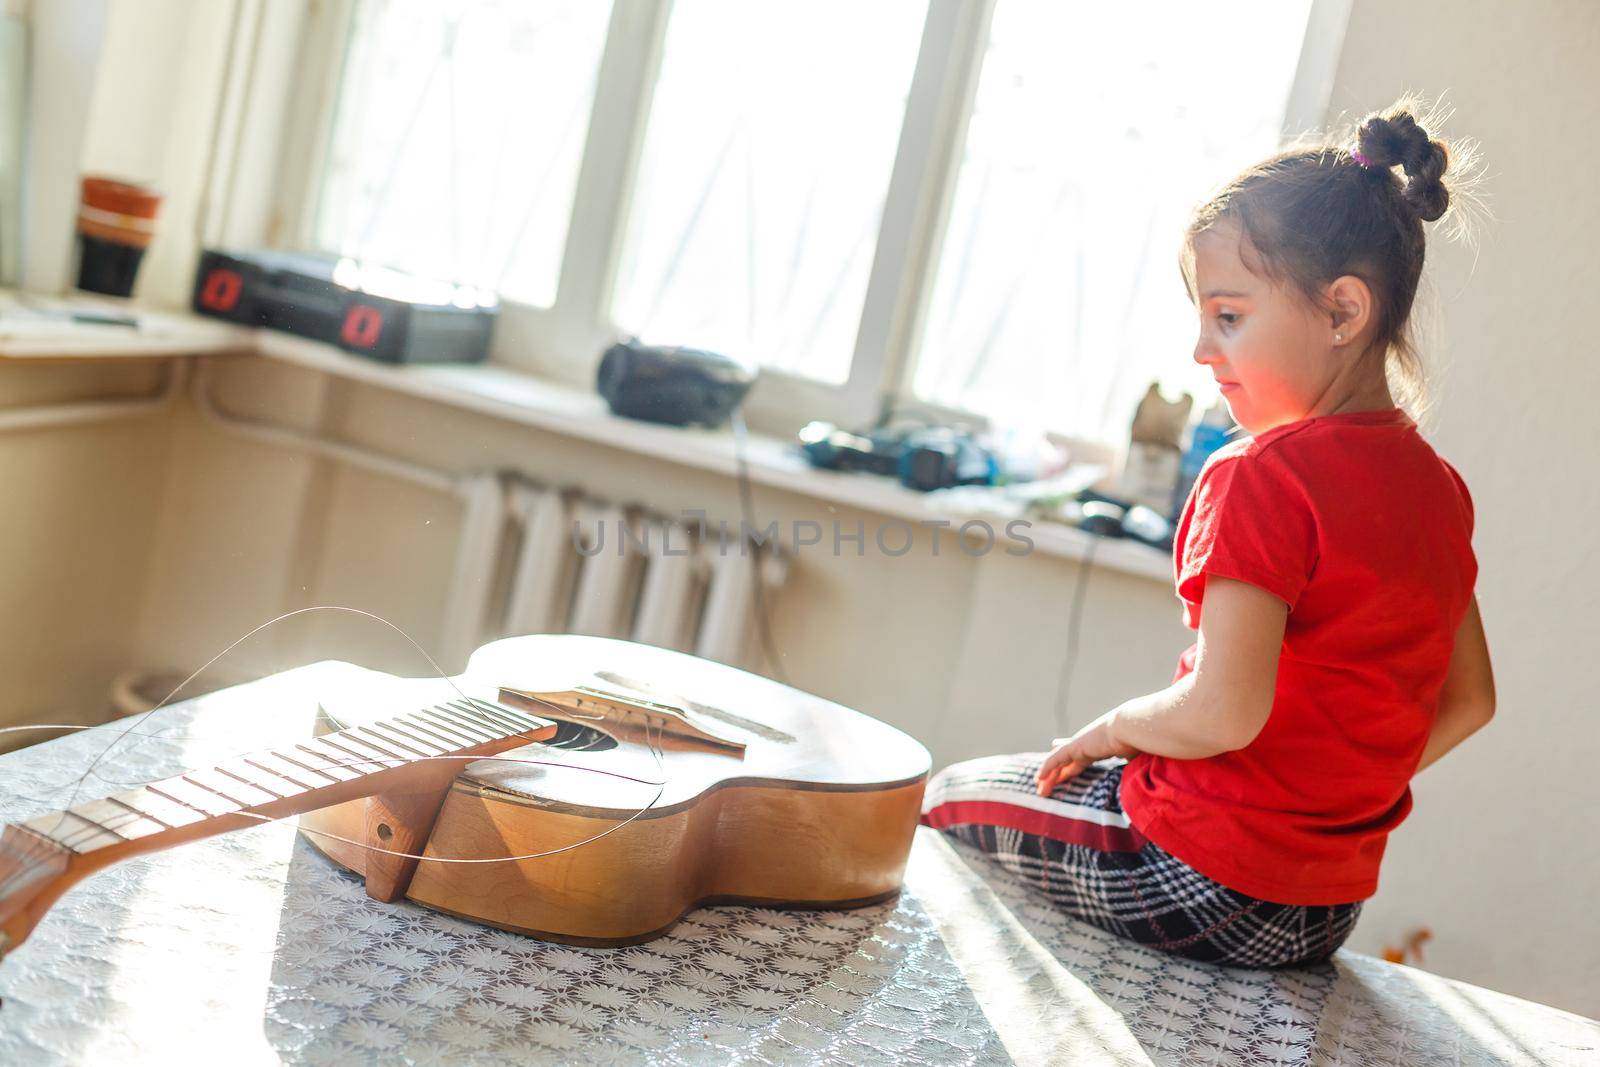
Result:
x=1498 y=858
x=76 y=532
x=151 y=119
x=64 y=42
x=126 y=89
x=78 y=526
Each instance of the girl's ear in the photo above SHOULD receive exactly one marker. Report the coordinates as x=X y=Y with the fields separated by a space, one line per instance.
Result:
x=1350 y=305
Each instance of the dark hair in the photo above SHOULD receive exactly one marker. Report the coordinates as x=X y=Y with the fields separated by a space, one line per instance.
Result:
x=1313 y=213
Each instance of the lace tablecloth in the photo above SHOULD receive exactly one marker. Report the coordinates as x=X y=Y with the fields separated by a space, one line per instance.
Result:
x=252 y=948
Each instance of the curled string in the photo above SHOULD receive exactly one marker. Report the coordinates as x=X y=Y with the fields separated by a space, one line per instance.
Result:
x=652 y=740
x=117 y=739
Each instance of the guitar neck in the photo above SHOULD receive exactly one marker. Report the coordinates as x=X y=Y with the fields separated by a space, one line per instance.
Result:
x=41 y=858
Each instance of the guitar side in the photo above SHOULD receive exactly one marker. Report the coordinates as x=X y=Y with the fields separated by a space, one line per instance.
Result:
x=775 y=846
x=767 y=795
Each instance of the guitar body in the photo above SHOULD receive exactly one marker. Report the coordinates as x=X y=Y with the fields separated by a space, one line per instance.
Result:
x=758 y=793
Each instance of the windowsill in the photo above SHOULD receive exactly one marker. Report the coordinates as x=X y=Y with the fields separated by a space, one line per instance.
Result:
x=28 y=333
x=513 y=396
x=495 y=391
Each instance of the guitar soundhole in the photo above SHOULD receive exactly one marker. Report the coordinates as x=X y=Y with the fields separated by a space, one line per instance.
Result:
x=572 y=735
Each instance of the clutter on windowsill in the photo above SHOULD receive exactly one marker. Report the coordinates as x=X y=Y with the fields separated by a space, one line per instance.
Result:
x=1158 y=469
x=1067 y=499
x=1017 y=475
x=673 y=385
x=26 y=314
x=82 y=326
x=921 y=457
x=1152 y=461
x=367 y=310
x=116 y=222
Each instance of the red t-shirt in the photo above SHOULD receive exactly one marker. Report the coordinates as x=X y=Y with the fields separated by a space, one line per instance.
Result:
x=1365 y=532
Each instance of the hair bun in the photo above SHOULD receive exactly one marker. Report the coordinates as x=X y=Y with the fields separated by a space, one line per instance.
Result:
x=1394 y=139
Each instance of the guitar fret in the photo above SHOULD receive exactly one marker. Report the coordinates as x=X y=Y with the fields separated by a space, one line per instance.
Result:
x=261 y=778
x=511 y=724
x=437 y=733
x=352 y=757
x=72 y=831
x=242 y=793
x=522 y=720
x=306 y=770
x=27 y=847
x=311 y=759
x=478 y=734
x=470 y=722
x=194 y=796
x=477 y=714
x=500 y=729
x=410 y=736
x=119 y=819
x=155 y=806
x=285 y=770
x=376 y=730
x=366 y=745
x=460 y=737
x=506 y=711
x=340 y=762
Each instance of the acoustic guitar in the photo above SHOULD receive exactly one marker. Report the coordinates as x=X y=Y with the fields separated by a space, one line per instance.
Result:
x=634 y=784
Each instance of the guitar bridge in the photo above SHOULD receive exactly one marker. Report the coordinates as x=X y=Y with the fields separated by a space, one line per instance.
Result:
x=632 y=715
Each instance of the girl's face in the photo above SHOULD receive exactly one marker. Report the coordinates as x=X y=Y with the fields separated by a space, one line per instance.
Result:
x=1264 y=343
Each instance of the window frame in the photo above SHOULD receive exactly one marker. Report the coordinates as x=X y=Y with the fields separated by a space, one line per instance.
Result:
x=563 y=342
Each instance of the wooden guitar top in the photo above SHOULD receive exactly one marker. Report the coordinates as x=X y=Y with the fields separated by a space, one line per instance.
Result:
x=791 y=738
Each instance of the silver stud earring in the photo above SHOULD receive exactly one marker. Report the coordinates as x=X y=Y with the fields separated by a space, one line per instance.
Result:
x=1337 y=338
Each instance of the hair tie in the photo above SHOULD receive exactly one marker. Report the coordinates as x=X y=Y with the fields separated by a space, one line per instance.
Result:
x=1355 y=154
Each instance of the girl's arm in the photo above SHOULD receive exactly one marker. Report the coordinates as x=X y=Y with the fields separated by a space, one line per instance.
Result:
x=1219 y=707
x=1466 y=702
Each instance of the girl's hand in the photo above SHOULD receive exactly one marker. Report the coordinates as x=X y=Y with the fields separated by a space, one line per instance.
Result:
x=1071 y=755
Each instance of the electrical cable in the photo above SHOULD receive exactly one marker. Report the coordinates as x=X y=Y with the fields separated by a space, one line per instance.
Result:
x=747 y=506
x=1064 y=681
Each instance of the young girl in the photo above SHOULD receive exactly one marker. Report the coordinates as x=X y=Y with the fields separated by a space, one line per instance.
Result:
x=1340 y=649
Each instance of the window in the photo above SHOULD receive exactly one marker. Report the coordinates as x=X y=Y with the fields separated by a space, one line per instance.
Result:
x=973 y=205
x=456 y=144
x=1056 y=299
x=765 y=167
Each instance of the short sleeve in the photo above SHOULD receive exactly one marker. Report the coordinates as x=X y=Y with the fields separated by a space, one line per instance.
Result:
x=1465 y=494
x=1247 y=519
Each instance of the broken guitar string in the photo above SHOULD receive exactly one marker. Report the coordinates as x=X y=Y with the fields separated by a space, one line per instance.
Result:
x=652 y=742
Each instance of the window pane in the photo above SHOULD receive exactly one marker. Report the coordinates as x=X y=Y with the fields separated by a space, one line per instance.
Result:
x=763 y=177
x=458 y=136
x=1096 y=128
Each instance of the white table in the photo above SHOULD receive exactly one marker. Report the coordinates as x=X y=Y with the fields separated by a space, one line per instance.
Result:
x=253 y=948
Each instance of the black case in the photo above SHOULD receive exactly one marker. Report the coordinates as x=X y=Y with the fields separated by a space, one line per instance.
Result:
x=673 y=385
x=297 y=293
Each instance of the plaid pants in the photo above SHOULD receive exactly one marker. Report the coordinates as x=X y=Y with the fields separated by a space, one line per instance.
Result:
x=1079 y=848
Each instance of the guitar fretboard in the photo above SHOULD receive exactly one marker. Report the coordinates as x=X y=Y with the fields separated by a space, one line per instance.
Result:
x=259 y=779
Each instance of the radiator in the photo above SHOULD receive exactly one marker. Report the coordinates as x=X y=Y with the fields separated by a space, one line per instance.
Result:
x=586 y=566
